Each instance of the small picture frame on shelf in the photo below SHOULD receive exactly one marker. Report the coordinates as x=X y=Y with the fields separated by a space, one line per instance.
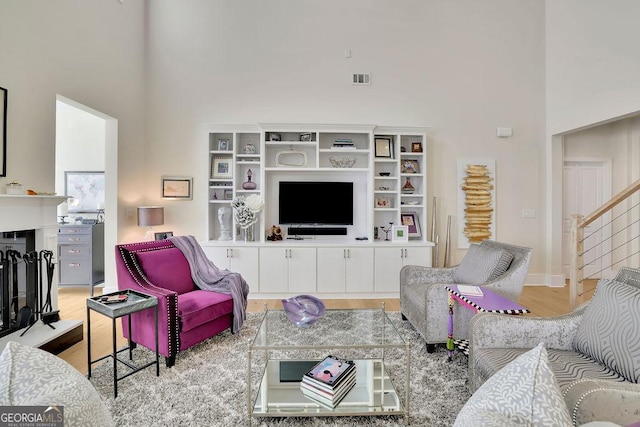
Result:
x=177 y=187
x=383 y=202
x=410 y=219
x=306 y=136
x=399 y=233
x=275 y=137
x=163 y=235
x=223 y=144
x=410 y=166
x=228 y=194
x=416 y=147
x=221 y=167
x=383 y=146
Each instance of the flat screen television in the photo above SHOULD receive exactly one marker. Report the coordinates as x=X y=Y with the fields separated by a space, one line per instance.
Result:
x=316 y=202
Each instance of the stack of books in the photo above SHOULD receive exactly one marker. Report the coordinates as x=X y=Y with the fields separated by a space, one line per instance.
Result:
x=343 y=143
x=328 y=382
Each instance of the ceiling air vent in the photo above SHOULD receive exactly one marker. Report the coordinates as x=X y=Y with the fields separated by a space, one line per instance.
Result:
x=361 y=79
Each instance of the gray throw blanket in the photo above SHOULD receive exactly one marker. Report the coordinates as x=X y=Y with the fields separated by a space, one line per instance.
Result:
x=208 y=277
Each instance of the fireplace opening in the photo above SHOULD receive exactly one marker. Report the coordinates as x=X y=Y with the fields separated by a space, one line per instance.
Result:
x=19 y=280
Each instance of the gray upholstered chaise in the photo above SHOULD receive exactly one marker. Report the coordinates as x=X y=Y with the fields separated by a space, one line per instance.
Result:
x=423 y=297
x=594 y=351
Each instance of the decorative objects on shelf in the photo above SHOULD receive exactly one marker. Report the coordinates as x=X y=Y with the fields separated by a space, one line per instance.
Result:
x=386 y=231
x=249 y=148
x=342 y=162
x=408 y=188
x=245 y=212
x=410 y=166
x=291 y=158
x=63 y=211
x=303 y=310
x=14 y=188
x=249 y=185
x=224 y=219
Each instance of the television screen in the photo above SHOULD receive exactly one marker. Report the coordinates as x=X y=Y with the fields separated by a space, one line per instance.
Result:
x=316 y=202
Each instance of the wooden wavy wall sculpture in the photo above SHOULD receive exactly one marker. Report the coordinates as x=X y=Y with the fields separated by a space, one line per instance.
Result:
x=478 y=210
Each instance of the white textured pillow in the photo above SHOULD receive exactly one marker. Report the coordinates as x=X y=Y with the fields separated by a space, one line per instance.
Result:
x=524 y=392
x=33 y=377
x=608 y=332
x=481 y=264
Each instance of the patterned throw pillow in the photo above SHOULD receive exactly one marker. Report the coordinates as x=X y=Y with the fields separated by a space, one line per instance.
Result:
x=481 y=264
x=609 y=330
x=524 y=392
x=33 y=377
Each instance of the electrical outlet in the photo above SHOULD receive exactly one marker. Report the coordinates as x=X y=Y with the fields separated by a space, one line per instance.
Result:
x=528 y=213
x=130 y=212
x=361 y=79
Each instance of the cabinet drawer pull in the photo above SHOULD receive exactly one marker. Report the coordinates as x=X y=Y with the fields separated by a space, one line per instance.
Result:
x=74 y=264
x=73 y=251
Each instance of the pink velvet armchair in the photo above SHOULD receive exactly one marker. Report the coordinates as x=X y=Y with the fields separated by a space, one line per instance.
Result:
x=186 y=315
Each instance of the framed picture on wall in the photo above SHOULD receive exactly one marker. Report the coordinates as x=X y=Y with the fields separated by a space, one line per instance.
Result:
x=85 y=190
x=177 y=187
x=163 y=235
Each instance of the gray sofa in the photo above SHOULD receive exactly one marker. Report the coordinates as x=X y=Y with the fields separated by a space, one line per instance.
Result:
x=594 y=351
x=423 y=297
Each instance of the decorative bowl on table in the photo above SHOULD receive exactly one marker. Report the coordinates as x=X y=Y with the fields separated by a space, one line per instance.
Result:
x=303 y=310
x=384 y=173
x=342 y=162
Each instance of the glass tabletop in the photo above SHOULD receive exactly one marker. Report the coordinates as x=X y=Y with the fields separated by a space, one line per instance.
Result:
x=336 y=328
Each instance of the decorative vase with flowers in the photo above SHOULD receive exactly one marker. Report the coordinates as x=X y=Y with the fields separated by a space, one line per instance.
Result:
x=245 y=213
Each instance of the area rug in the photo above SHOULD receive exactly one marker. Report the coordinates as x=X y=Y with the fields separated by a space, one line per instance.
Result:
x=207 y=386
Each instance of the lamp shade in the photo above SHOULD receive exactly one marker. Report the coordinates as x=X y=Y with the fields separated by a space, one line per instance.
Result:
x=150 y=215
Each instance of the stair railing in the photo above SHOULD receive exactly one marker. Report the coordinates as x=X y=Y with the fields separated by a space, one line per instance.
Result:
x=626 y=235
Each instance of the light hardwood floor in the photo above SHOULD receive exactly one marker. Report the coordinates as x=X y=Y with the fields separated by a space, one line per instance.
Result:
x=540 y=300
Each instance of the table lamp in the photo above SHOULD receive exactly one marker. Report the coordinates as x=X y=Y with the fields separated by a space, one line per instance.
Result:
x=148 y=216
x=63 y=211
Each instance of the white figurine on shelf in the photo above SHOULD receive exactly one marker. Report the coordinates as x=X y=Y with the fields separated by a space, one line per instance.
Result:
x=224 y=218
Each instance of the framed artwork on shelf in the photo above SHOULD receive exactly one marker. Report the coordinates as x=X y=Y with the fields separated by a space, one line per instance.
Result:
x=383 y=202
x=416 y=147
x=399 y=233
x=410 y=166
x=221 y=167
x=384 y=146
x=163 y=235
x=228 y=194
x=177 y=187
x=86 y=190
x=410 y=219
x=305 y=136
x=223 y=144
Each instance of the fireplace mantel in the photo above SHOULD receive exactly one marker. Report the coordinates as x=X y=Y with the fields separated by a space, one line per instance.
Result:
x=23 y=212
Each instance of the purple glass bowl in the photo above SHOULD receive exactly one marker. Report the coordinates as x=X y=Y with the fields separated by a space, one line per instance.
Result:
x=303 y=310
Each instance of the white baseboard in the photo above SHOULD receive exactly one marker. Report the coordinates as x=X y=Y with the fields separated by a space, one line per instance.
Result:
x=551 y=280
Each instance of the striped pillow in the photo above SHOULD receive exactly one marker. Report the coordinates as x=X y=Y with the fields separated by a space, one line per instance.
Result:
x=610 y=329
x=481 y=264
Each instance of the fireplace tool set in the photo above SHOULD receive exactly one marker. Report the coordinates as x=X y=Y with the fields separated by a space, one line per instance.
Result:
x=36 y=305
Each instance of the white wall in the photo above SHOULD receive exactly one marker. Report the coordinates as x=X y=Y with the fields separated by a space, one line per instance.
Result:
x=592 y=68
x=463 y=68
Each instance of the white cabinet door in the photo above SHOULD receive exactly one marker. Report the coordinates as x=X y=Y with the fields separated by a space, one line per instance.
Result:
x=417 y=256
x=302 y=270
x=243 y=260
x=274 y=270
x=359 y=270
x=388 y=262
x=331 y=270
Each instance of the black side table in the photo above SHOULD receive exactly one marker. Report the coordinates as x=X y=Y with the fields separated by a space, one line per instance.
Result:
x=136 y=301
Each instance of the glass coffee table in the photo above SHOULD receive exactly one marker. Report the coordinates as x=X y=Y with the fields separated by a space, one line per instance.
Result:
x=280 y=353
